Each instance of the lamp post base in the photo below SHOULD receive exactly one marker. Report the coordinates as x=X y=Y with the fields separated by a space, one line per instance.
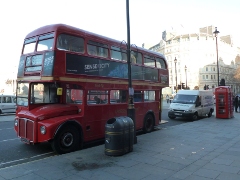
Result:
x=131 y=114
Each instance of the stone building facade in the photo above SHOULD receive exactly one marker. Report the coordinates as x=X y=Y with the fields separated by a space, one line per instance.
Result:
x=194 y=53
x=208 y=75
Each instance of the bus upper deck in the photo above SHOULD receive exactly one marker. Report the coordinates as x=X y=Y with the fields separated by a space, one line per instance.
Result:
x=60 y=50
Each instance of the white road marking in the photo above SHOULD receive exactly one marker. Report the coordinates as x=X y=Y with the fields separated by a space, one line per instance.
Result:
x=8 y=140
x=9 y=162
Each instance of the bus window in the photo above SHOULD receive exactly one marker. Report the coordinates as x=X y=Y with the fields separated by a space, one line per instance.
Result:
x=160 y=63
x=149 y=95
x=149 y=61
x=138 y=96
x=102 y=52
x=133 y=59
x=136 y=57
x=92 y=50
x=45 y=42
x=70 y=43
x=74 y=96
x=29 y=45
x=97 y=49
x=43 y=93
x=118 y=54
x=97 y=97
x=34 y=63
x=124 y=54
x=118 y=96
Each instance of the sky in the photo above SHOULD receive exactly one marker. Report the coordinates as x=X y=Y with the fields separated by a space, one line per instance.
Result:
x=148 y=19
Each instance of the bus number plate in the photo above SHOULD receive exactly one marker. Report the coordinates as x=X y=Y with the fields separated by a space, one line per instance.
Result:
x=25 y=140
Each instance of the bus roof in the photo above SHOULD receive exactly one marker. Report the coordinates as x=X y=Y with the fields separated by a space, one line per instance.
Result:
x=74 y=30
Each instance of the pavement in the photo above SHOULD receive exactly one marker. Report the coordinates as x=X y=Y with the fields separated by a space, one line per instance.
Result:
x=201 y=150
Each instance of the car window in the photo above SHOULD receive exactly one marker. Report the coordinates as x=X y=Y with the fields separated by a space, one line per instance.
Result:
x=4 y=100
x=9 y=99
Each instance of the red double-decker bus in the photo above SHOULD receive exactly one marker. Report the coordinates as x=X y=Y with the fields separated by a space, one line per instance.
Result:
x=70 y=82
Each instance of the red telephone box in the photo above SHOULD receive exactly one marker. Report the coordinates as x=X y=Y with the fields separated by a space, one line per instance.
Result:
x=224 y=102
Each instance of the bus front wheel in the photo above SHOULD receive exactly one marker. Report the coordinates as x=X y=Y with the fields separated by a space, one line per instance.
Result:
x=67 y=140
x=148 y=124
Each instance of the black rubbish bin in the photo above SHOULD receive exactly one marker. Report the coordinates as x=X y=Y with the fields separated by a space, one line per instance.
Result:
x=119 y=136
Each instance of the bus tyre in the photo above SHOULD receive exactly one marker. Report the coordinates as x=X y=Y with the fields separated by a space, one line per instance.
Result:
x=148 y=124
x=67 y=140
x=195 y=116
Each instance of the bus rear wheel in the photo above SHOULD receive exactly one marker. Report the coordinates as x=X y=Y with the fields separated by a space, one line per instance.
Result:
x=148 y=124
x=67 y=140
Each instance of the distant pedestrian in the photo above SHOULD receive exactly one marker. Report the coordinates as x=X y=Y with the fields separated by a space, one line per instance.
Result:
x=167 y=98
x=236 y=103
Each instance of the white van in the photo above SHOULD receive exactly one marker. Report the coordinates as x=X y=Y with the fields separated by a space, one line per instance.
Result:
x=192 y=104
x=7 y=104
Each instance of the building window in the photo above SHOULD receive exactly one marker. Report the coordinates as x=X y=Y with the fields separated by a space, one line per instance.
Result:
x=206 y=76
x=206 y=68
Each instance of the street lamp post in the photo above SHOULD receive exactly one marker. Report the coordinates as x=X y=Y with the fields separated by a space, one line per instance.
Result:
x=131 y=109
x=186 y=75
x=175 y=61
x=216 y=34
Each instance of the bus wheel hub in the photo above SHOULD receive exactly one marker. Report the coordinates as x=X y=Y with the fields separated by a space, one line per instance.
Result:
x=67 y=139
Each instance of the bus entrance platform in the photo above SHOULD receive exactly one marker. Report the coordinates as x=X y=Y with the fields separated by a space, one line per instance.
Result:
x=205 y=149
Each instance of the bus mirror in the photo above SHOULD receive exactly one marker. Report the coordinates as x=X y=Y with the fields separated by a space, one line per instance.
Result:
x=59 y=91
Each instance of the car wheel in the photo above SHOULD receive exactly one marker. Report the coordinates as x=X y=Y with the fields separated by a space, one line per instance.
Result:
x=67 y=140
x=210 y=114
x=171 y=117
x=195 y=116
x=148 y=124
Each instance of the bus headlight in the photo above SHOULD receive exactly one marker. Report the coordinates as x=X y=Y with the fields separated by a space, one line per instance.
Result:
x=43 y=130
x=16 y=122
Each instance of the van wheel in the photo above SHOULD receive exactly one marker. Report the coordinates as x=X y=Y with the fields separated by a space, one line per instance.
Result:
x=148 y=124
x=210 y=114
x=172 y=117
x=195 y=116
x=67 y=140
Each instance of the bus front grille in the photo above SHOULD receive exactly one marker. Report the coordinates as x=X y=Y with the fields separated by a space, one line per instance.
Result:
x=26 y=130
